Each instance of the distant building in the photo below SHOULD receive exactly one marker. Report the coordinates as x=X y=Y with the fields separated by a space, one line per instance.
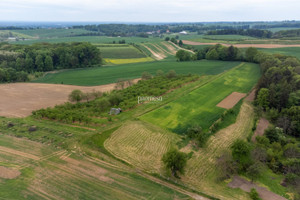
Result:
x=183 y=33
x=115 y=111
x=12 y=38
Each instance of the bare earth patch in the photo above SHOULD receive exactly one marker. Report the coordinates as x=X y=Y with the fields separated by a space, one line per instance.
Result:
x=231 y=100
x=266 y=46
x=261 y=127
x=238 y=182
x=8 y=173
x=20 y=99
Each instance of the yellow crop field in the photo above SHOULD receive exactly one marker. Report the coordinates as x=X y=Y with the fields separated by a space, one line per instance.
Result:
x=127 y=61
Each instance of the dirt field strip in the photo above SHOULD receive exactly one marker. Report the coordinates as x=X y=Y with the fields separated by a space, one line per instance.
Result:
x=266 y=46
x=261 y=127
x=238 y=182
x=163 y=50
x=156 y=56
x=8 y=173
x=20 y=99
x=170 y=47
x=18 y=153
x=181 y=47
x=231 y=100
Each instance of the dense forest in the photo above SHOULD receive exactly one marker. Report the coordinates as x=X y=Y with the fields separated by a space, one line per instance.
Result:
x=287 y=33
x=249 y=32
x=17 y=61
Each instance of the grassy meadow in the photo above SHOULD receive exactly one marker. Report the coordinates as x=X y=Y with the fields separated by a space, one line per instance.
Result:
x=289 y=51
x=91 y=39
x=120 y=52
x=110 y=74
x=199 y=106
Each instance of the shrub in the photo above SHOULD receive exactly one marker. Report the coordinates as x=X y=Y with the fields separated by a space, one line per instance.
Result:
x=175 y=161
x=76 y=96
x=254 y=194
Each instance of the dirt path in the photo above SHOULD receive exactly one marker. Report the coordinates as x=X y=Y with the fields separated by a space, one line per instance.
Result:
x=156 y=55
x=20 y=99
x=266 y=46
x=261 y=127
x=238 y=182
x=169 y=185
x=251 y=96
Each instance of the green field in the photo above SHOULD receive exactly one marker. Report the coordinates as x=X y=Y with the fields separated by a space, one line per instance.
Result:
x=199 y=106
x=110 y=74
x=52 y=33
x=121 y=52
x=92 y=39
x=229 y=37
x=289 y=51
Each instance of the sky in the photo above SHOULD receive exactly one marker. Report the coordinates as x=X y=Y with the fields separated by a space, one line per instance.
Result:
x=149 y=10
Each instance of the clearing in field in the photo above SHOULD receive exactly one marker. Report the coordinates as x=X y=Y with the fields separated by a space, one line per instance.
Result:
x=141 y=144
x=199 y=106
x=20 y=99
x=231 y=100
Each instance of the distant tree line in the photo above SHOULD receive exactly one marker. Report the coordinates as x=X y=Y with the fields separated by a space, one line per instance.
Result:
x=123 y=29
x=23 y=59
x=248 y=32
x=287 y=33
x=293 y=24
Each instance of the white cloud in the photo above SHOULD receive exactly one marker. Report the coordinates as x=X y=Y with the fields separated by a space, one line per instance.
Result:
x=145 y=10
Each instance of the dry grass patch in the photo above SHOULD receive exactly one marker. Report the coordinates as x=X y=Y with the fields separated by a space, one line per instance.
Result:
x=141 y=144
x=201 y=172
